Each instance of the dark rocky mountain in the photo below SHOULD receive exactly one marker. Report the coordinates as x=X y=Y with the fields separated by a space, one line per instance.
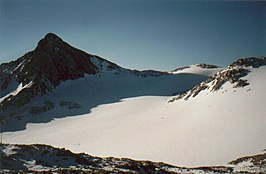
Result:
x=47 y=159
x=58 y=61
x=51 y=62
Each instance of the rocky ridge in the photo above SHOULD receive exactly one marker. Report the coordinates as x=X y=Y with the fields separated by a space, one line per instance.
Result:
x=46 y=159
x=234 y=74
x=42 y=69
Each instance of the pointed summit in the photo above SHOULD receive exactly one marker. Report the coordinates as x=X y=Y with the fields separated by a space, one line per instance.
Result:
x=51 y=36
x=59 y=61
x=50 y=42
x=44 y=68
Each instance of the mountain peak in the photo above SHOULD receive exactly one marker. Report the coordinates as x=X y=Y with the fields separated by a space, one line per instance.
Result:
x=50 y=41
x=42 y=69
x=60 y=61
x=51 y=36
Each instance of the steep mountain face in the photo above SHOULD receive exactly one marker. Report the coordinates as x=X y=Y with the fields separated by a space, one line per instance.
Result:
x=34 y=158
x=42 y=69
x=57 y=61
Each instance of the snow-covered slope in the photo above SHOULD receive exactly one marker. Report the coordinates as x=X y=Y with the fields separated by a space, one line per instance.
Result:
x=103 y=109
x=209 y=129
x=233 y=74
x=202 y=69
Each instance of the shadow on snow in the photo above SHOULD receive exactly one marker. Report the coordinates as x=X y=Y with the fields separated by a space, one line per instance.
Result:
x=94 y=90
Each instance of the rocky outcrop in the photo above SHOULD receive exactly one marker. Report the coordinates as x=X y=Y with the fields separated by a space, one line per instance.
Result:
x=58 y=61
x=47 y=159
x=208 y=66
x=233 y=74
x=253 y=62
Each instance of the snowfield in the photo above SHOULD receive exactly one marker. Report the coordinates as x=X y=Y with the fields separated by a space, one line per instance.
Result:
x=123 y=115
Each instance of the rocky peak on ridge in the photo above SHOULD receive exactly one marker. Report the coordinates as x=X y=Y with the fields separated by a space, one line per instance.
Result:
x=51 y=62
x=50 y=41
x=59 y=61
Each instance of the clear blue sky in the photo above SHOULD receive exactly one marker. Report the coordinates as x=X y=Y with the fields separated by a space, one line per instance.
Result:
x=137 y=34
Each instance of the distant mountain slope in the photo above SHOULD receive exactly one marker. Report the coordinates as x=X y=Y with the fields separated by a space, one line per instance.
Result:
x=34 y=158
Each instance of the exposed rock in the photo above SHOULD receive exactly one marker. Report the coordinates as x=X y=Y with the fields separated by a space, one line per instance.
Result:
x=240 y=83
x=253 y=62
x=254 y=163
x=232 y=74
x=209 y=66
x=55 y=60
x=51 y=62
x=197 y=90
x=47 y=159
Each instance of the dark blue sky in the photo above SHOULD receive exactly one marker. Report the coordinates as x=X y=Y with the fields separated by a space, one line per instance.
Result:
x=136 y=34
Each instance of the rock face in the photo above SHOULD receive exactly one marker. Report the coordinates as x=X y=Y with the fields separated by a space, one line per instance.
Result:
x=42 y=69
x=59 y=61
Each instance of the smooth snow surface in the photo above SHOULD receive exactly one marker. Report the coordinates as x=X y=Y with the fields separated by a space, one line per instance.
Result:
x=210 y=129
x=197 y=70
